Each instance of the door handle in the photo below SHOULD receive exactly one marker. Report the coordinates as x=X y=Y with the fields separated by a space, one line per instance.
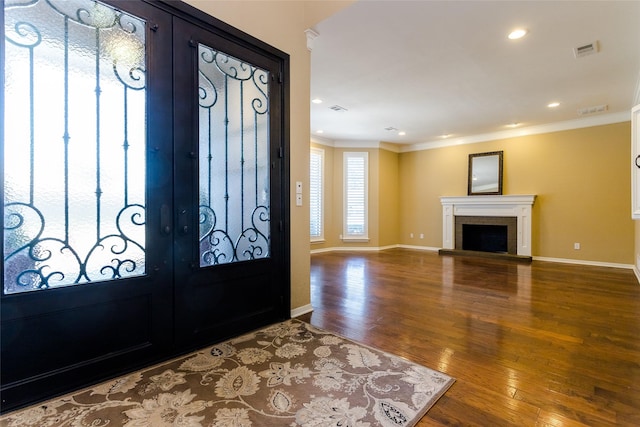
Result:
x=183 y=221
x=165 y=220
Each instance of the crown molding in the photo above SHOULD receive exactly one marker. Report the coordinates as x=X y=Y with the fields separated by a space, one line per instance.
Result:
x=322 y=141
x=389 y=146
x=599 y=120
x=356 y=144
x=603 y=119
x=311 y=37
x=396 y=148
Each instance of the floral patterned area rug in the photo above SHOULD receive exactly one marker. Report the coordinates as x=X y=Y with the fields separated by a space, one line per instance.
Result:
x=287 y=374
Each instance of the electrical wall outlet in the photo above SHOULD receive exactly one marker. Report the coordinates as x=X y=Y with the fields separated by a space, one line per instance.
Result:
x=576 y=246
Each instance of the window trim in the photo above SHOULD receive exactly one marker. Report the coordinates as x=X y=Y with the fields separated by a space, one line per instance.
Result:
x=320 y=152
x=364 y=236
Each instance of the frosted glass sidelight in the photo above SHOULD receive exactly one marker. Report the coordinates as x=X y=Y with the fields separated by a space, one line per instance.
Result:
x=74 y=144
x=233 y=159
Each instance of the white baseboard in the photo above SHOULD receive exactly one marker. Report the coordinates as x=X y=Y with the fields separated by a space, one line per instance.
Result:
x=354 y=248
x=434 y=249
x=299 y=311
x=373 y=248
x=583 y=262
x=322 y=250
x=420 y=248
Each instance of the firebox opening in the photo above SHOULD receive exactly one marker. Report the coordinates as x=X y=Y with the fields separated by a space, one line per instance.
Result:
x=486 y=238
x=492 y=234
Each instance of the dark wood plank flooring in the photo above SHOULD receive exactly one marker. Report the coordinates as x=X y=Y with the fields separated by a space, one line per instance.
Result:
x=540 y=344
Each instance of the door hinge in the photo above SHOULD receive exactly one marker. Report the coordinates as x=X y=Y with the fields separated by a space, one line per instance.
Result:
x=280 y=77
x=281 y=225
x=281 y=152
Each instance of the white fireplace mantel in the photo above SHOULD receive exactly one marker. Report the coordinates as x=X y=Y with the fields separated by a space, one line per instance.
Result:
x=518 y=206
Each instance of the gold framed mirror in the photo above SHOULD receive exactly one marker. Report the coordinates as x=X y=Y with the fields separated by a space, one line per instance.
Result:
x=485 y=174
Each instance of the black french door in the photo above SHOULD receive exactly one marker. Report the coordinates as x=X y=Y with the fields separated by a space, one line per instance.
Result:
x=144 y=184
x=230 y=154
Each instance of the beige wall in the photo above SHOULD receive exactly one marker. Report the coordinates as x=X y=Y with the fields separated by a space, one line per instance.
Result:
x=337 y=201
x=389 y=198
x=282 y=24
x=637 y=223
x=637 y=246
x=581 y=178
x=330 y=211
x=383 y=199
x=532 y=165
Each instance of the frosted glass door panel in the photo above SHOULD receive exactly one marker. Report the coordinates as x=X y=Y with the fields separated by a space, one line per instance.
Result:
x=74 y=144
x=233 y=159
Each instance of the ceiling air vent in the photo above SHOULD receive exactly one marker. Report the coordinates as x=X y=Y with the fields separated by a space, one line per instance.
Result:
x=337 y=108
x=586 y=111
x=587 y=49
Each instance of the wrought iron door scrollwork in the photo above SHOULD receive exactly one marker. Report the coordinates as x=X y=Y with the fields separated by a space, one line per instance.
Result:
x=233 y=159
x=40 y=262
x=218 y=247
x=74 y=154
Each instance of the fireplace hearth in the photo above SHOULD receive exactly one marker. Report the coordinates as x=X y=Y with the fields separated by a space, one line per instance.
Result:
x=498 y=225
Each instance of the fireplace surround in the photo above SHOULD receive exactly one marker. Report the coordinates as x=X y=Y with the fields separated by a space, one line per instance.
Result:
x=488 y=210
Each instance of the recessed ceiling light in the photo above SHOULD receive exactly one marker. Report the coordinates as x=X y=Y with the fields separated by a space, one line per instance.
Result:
x=317 y=101
x=402 y=133
x=513 y=125
x=320 y=131
x=553 y=104
x=445 y=136
x=517 y=34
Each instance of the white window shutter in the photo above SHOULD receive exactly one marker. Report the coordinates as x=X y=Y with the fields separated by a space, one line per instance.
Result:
x=316 y=177
x=355 y=186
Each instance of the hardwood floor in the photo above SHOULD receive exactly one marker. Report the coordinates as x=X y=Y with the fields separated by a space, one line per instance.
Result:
x=540 y=344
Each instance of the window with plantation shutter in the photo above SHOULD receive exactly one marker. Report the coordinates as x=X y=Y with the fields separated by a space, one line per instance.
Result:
x=356 y=170
x=316 y=178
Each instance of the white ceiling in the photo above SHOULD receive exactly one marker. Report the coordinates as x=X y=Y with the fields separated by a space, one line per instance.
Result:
x=446 y=67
